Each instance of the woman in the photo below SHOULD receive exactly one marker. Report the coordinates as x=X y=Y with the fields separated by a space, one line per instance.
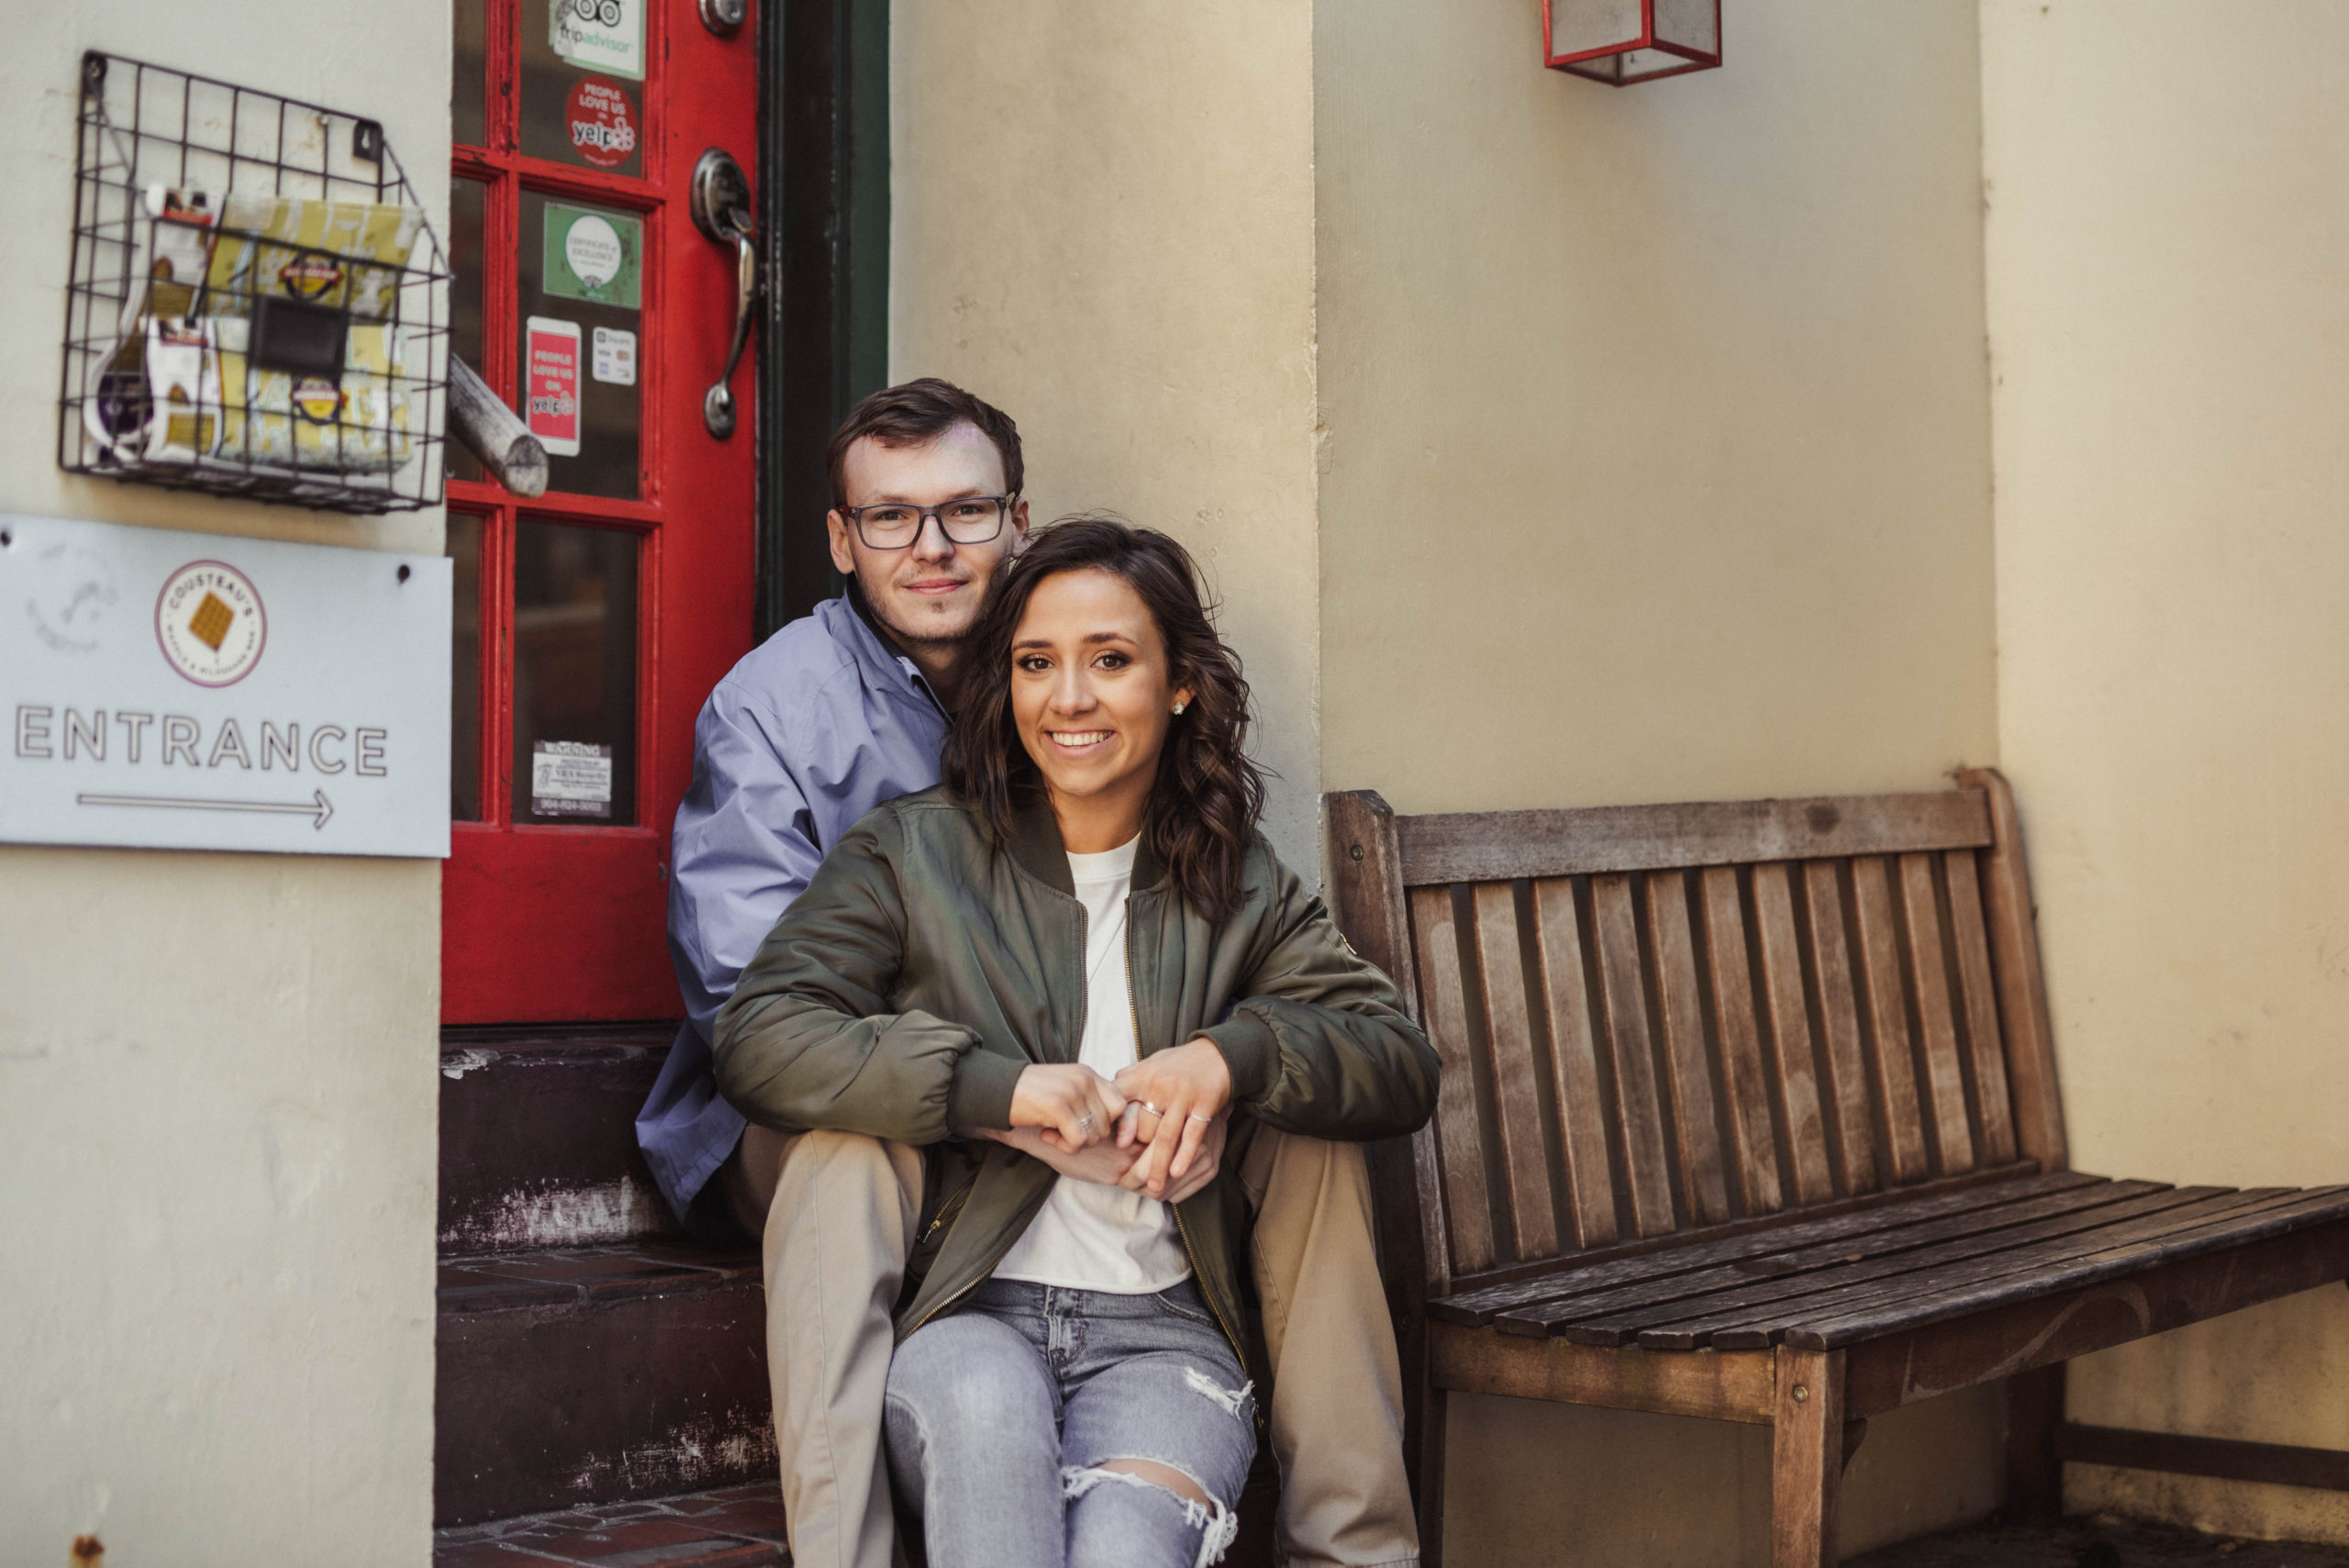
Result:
x=1063 y=969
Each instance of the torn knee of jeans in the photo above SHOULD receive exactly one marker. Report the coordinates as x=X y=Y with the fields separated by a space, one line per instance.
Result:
x=1216 y=1523
x=1232 y=1399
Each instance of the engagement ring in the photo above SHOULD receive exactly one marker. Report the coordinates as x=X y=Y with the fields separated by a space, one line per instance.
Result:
x=1152 y=1109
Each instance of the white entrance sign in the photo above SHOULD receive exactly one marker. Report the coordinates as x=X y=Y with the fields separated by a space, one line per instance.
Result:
x=169 y=690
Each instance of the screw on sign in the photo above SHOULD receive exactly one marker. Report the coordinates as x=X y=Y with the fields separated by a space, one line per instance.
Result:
x=602 y=122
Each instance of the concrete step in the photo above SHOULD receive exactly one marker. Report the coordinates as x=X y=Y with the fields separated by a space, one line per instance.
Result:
x=538 y=1138
x=735 y=1527
x=582 y=1376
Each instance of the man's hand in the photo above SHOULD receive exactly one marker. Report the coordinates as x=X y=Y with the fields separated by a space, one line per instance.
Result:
x=1185 y=1088
x=1103 y=1163
x=1204 y=1165
x=1069 y=1104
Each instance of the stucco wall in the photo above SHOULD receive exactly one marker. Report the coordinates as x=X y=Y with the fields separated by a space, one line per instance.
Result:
x=2168 y=215
x=1102 y=221
x=216 y=1088
x=1655 y=467
x=1656 y=455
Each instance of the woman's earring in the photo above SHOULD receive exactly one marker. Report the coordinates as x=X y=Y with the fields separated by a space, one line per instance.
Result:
x=1178 y=707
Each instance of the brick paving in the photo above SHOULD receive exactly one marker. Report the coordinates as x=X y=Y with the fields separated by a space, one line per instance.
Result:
x=734 y=1526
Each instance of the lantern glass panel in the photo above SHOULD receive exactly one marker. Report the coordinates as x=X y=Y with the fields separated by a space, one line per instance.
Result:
x=1577 y=26
x=1691 y=25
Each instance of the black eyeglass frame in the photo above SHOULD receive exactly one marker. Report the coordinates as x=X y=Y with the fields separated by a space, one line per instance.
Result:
x=1003 y=505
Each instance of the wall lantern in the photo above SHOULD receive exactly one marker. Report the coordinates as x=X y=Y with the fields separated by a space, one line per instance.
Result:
x=1623 y=41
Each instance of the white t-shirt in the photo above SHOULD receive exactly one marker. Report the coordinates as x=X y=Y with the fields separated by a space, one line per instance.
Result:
x=1088 y=1236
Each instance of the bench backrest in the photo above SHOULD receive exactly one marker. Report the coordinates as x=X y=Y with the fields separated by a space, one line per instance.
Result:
x=1653 y=1019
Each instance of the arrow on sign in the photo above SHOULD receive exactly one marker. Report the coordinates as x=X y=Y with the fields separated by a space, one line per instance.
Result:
x=319 y=806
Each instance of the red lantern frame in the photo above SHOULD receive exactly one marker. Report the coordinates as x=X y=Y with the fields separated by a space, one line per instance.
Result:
x=1608 y=62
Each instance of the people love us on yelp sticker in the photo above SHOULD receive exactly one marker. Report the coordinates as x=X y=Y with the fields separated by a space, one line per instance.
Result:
x=552 y=380
x=602 y=122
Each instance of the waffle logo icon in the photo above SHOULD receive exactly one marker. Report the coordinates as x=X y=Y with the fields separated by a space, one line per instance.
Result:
x=212 y=620
x=210 y=624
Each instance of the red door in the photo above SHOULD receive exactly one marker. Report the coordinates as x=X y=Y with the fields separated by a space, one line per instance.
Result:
x=590 y=621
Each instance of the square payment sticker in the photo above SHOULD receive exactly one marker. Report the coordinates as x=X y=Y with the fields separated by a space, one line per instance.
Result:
x=551 y=385
x=615 y=360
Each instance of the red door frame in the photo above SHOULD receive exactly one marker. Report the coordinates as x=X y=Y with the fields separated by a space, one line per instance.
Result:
x=548 y=923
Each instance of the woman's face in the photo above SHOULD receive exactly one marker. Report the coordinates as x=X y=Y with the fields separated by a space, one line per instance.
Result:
x=1091 y=691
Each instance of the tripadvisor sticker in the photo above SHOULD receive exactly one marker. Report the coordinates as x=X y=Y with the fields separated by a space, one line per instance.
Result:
x=602 y=34
x=594 y=256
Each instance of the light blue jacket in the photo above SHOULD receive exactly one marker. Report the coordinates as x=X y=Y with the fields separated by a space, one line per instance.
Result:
x=816 y=727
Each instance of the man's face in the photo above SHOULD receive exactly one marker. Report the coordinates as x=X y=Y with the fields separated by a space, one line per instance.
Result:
x=929 y=592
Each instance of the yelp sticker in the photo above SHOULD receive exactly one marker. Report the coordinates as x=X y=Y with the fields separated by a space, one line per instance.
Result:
x=210 y=624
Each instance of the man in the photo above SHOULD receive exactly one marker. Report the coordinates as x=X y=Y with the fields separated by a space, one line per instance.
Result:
x=830 y=716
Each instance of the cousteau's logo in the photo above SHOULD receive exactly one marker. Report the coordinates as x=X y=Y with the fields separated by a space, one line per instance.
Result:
x=210 y=624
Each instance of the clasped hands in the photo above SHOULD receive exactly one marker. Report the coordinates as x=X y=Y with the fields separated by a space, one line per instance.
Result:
x=1157 y=1128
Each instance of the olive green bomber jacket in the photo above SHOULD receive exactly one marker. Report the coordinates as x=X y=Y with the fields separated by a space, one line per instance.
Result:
x=929 y=962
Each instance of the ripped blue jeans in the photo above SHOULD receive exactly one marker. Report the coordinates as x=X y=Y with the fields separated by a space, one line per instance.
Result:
x=999 y=1416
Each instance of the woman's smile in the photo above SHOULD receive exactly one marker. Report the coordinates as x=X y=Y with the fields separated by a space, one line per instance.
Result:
x=1092 y=697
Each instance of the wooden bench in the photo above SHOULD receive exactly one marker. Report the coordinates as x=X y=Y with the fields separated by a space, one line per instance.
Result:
x=1749 y=1112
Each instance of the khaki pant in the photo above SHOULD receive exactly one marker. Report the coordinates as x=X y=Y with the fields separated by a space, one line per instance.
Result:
x=836 y=1211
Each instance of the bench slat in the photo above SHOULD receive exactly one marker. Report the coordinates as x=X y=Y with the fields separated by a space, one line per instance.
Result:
x=1839 y=1028
x=1697 y=1130
x=1978 y=1007
x=1688 y=1306
x=2183 y=1211
x=1944 y=1079
x=2063 y=1265
x=1516 y=1094
x=1755 y=1317
x=1788 y=1015
x=1496 y=846
x=1574 y=1062
x=1459 y=1140
x=1638 y=1115
x=1476 y=1308
x=1888 y=1014
x=1753 y=1143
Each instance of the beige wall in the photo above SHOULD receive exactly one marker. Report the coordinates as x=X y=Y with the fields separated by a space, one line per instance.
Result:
x=1102 y=220
x=1623 y=1488
x=216 y=1087
x=1656 y=462
x=2169 y=220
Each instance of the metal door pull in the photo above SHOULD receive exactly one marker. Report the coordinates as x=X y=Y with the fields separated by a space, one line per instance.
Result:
x=720 y=205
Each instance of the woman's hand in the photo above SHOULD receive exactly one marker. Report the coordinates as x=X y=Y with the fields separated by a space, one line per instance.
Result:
x=1069 y=1104
x=1185 y=1086
x=1104 y=1162
x=1204 y=1164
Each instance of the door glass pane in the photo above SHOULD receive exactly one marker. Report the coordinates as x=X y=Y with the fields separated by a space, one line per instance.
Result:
x=582 y=83
x=465 y=671
x=466 y=200
x=581 y=275
x=574 y=674
x=471 y=76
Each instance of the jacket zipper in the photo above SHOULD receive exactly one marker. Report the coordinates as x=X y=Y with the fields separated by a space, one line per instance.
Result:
x=1083 y=931
x=1133 y=1009
x=1182 y=1231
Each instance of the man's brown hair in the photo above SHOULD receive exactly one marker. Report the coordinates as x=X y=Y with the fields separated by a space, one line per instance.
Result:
x=915 y=413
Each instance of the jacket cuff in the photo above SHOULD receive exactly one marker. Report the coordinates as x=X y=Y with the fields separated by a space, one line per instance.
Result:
x=980 y=1093
x=1251 y=1051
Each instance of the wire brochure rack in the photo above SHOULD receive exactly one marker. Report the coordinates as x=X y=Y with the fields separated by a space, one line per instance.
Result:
x=257 y=304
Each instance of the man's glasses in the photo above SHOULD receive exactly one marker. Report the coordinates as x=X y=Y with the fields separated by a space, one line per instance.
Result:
x=894 y=524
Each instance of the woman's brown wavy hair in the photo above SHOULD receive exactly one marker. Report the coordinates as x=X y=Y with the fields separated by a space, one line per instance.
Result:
x=1204 y=805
